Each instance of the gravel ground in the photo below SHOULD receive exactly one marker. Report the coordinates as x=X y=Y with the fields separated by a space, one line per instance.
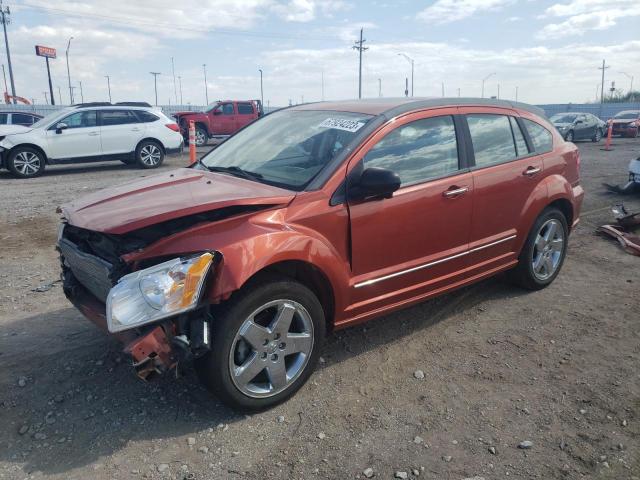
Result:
x=487 y=382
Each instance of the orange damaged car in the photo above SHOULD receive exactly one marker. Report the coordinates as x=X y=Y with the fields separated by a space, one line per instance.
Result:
x=315 y=218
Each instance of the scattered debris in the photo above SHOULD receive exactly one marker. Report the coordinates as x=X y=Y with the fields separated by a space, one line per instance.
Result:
x=402 y=475
x=526 y=444
x=368 y=472
x=623 y=232
x=419 y=374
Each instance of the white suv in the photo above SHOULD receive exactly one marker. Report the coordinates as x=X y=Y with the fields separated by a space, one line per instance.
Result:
x=89 y=133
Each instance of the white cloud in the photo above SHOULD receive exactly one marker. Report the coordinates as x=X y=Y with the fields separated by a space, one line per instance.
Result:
x=307 y=10
x=446 y=11
x=583 y=16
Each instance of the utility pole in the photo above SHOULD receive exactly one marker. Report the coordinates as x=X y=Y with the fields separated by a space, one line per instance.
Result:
x=603 y=68
x=443 y=89
x=81 y=92
x=175 y=90
x=359 y=45
x=379 y=87
x=484 y=80
x=4 y=13
x=206 y=88
x=498 y=91
x=60 y=94
x=108 y=86
x=410 y=60
x=68 y=72
x=261 y=90
x=155 y=84
x=516 y=93
x=5 y=78
x=180 y=83
x=46 y=98
x=630 y=77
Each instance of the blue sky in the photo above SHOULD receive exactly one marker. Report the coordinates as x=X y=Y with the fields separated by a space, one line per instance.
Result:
x=549 y=50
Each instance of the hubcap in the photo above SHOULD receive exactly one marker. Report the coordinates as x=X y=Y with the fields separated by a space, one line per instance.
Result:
x=548 y=249
x=150 y=155
x=200 y=138
x=271 y=348
x=27 y=163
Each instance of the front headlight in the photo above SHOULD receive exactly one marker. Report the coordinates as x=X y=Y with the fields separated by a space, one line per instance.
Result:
x=157 y=292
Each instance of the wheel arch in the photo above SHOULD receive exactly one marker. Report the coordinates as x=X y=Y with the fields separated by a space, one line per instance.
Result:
x=200 y=123
x=151 y=139
x=30 y=145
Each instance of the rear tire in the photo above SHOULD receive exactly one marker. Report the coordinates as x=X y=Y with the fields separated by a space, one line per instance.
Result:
x=544 y=251
x=242 y=367
x=149 y=154
x=598 y=135
x=26 y=162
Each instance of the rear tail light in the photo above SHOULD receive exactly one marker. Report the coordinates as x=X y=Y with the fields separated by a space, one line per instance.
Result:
x=173 y=126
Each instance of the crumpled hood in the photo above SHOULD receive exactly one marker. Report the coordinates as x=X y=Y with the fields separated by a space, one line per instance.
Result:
x=11 y=129
x=166 y=196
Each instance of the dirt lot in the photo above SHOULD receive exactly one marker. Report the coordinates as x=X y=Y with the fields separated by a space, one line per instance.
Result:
x=558 y=368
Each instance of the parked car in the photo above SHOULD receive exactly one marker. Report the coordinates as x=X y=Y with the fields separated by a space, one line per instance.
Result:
x=633 y=184
x=25 y=119
x=88 y=133
x=315 y=218
x=220 y=119
x=626 y=123
x=579 y=126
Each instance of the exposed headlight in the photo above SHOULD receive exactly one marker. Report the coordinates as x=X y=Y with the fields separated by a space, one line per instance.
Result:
x=157 y=292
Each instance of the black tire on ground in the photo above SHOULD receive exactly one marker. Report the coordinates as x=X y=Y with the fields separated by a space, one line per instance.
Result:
x=214 y=368
x=26 y=162
x=149 y=154
x=201 y=137
x=523 y=274
x=569 y=136
x=597 y=136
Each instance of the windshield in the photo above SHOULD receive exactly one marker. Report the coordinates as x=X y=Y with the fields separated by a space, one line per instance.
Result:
x=630 y=115
x=287 y=148
x=563 y=118
x=211 y=106
x=48 y=118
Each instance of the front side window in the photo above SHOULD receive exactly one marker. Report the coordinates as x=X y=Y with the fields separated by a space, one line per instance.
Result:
x=227 y=109
x=287 y=148
x=540 y=136
x=417 y=151
x=84 y=119
x=245 y=109
x=492 y=139
x=22 y=119
x=117 y=117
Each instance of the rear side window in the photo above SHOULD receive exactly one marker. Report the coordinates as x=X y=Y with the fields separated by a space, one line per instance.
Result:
x=145 y=117
x=3 y=118
x=492 y=139
x=521 y=144
x=418 y=151
x=22 y=119
x=117 y=117
x=245 y=109
x=540 y=136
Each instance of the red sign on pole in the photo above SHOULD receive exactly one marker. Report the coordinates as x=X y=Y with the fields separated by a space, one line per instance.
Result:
x=45 y=51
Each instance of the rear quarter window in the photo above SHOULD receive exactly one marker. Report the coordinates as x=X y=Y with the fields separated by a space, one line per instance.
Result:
x=245 y=109
x=540 y=137
x=145 y=117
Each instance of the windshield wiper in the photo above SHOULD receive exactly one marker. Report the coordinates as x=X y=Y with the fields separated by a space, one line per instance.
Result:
x=236 y=171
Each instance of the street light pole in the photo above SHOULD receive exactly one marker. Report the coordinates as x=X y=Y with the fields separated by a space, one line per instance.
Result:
x=206 y=88
x=173 y=71
x=68 y=71
x=410 y=60
x=81 y=92
x=484 y=80
x=630 y=77
x=155 y=84
x=108 y=86
x=180 y=84
x=261 y=90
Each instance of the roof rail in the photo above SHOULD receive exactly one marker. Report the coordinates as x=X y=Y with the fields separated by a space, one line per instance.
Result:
x=91 y=104
x=134 y=104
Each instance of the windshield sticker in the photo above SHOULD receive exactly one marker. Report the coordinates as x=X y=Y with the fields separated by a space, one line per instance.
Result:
x=342 y=124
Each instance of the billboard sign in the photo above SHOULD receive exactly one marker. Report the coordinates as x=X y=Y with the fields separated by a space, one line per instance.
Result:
x=45 y=51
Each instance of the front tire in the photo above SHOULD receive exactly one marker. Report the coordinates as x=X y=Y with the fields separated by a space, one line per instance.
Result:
x=266 y=341
x=544 y=251
x=26 y=162
x=149 y=154
x=598 y=136
x=569 y=137
x=201 y=137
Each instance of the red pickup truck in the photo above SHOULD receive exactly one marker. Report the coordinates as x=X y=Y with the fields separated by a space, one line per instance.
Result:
x=220 y=119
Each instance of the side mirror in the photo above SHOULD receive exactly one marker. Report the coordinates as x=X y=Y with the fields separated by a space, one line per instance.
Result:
x=61 y=126
x=217 y=111
x=374 y=182
x=578 y=122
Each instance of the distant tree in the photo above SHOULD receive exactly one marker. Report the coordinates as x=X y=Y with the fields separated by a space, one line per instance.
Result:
x=618 y=96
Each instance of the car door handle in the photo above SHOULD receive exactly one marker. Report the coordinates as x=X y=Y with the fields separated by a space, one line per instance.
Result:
x=531 y=171
x=455 y=191
x=94 y=134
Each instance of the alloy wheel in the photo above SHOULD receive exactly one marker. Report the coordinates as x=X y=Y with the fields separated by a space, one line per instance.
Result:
x=200 y=138
x=150 y=155
x=27 y=163
x=271 y=349
x=598 y=135
x=548 y=249
x=569 y=137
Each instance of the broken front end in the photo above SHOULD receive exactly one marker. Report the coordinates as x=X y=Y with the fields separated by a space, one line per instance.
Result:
x=156 y=308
